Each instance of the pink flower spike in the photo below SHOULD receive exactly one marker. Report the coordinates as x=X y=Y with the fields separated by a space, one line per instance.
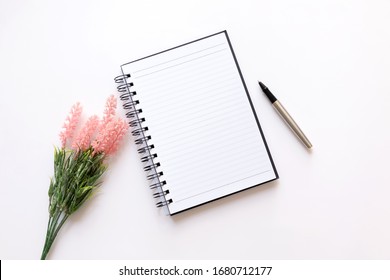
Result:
x=120 y=128
x=109 y=111
x=83 y=140
x=70 y=124
x=108 y=139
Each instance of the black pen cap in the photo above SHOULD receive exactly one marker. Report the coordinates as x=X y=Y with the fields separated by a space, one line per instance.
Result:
x=267 y=92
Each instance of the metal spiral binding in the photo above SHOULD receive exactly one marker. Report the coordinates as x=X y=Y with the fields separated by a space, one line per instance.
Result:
x=140 y=131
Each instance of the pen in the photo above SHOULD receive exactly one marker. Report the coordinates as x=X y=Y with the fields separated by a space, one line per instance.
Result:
x=286 y=116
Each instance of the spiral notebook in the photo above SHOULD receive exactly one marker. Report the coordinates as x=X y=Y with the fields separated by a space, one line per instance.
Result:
x=193 y=119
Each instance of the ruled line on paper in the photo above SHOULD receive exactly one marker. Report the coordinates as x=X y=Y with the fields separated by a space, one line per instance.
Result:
x=140 y=76
x=159 y=64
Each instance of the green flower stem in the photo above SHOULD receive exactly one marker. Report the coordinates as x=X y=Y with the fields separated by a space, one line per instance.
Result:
x=45 y=250
x=53 y=227
x=76 y=176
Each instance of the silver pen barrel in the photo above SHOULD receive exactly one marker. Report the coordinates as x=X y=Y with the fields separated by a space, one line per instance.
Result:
x=291 y=123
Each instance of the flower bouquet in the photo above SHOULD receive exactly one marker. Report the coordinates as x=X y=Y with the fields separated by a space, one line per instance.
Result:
x=80 y=163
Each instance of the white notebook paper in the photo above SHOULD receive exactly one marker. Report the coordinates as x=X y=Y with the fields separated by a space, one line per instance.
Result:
x=192 y=116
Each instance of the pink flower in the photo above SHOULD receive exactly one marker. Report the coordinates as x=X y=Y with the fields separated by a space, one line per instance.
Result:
x=103 y=136
x=111 y=130
x=84 y=139
x=109 y=137
x=70 y=124
x=109 y=111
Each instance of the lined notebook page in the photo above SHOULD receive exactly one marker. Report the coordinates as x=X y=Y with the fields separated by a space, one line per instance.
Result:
x=201 y=122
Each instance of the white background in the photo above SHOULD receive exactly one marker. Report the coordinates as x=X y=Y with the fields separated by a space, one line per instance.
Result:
x=327 y=61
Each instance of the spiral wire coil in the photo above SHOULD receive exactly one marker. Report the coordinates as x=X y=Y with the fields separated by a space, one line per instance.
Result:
x=142 y=139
